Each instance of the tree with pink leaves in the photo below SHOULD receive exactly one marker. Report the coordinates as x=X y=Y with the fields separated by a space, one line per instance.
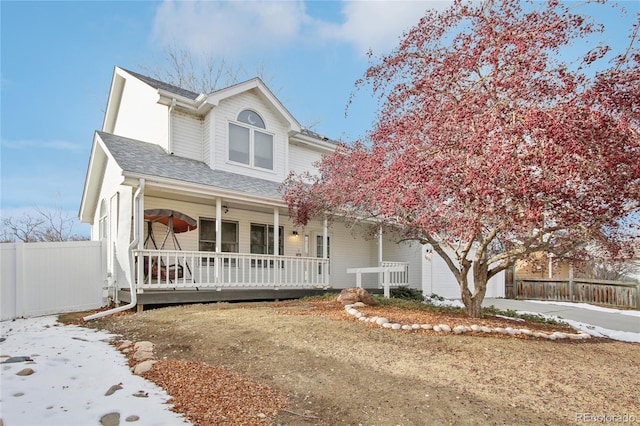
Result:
x=491 y=144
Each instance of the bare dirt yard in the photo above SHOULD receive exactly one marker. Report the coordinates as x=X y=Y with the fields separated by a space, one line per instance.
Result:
x=310 y=363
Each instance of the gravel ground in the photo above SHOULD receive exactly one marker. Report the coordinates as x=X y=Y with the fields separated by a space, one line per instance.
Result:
x=310 y=363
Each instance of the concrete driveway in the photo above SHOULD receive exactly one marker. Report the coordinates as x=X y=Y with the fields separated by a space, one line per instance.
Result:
x=610 y=319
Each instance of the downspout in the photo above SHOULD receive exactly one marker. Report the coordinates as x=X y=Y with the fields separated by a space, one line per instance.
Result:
x=136 y=239
x=169 y=129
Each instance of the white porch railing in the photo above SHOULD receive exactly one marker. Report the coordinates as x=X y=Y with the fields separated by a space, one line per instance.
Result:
x=391 y=274
x=170 y=269
x=397 y=278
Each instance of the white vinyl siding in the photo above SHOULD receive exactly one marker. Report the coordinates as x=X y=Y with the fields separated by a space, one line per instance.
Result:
x=140 y=116
x=438 y=279
x=118 y=228
x=347 y=250
x=187 y=135
x=302 y=159
x=110 y=185
x=410 y=252
x=206 y=140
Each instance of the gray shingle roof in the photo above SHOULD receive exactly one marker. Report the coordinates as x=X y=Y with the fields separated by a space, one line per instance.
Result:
x=157 y=84
x=138 y=157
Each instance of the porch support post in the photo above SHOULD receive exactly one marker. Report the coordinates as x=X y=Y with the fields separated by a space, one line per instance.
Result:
x=276 y=231
x=325 y=248
x=380 y=275
x=276 y=245
x=380 y=246
x=218 y=225
x=325 y=234
x=139 y=216
x=218 y=260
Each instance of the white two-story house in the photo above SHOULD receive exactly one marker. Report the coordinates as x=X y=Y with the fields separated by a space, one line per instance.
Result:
x=184 y=189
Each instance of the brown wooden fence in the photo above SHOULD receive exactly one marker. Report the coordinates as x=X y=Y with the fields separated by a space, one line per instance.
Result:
x=611 y=293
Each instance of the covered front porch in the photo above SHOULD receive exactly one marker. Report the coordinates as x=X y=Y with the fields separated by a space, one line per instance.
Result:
x=227 y=252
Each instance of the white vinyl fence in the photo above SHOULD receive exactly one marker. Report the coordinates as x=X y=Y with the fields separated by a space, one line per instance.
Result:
x=50 y=278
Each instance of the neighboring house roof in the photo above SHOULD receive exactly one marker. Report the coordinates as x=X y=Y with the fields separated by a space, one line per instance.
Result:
x=136 y=157
x=157 y=84
x=318 y=136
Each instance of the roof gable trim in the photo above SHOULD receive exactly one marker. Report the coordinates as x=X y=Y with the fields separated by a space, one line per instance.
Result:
x=257 y=84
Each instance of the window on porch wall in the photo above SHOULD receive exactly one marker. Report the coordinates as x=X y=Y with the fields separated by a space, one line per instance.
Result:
x=262 y=238
x=229 y=242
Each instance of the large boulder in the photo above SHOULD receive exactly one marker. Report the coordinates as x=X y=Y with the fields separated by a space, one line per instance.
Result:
x=349 y=296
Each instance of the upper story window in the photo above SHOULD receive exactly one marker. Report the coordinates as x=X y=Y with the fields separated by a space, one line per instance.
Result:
x=248 y=144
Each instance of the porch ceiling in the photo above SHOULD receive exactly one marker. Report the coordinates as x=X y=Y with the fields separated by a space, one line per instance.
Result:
x=210 y=200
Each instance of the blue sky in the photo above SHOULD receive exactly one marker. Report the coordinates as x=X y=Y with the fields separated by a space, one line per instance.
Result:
x=57 y=60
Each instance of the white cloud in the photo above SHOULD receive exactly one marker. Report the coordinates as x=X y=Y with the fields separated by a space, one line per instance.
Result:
x=231 y=28
x=58 y=145
x=376 y=25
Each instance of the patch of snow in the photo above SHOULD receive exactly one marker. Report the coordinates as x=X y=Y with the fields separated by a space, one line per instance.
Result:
x=510 y=318
x=454 y=303
x=595 y=331
x=73 y=369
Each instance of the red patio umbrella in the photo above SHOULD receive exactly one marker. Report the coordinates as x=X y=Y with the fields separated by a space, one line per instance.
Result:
x=176 y=221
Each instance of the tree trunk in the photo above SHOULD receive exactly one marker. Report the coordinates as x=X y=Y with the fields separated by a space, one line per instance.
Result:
x=473 y=301
x=474 y=306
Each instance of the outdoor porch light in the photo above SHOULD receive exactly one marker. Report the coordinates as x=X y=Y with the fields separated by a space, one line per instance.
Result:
x=294 y=233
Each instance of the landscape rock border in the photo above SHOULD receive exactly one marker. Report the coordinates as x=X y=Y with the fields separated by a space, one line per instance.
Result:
x=460 y=329
x=140 y=354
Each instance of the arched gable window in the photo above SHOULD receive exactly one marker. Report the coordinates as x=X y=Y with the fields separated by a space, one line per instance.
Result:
x=249 y=117
x=248 y=144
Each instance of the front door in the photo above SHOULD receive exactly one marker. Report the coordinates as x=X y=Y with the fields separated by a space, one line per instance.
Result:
x=320 y=251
